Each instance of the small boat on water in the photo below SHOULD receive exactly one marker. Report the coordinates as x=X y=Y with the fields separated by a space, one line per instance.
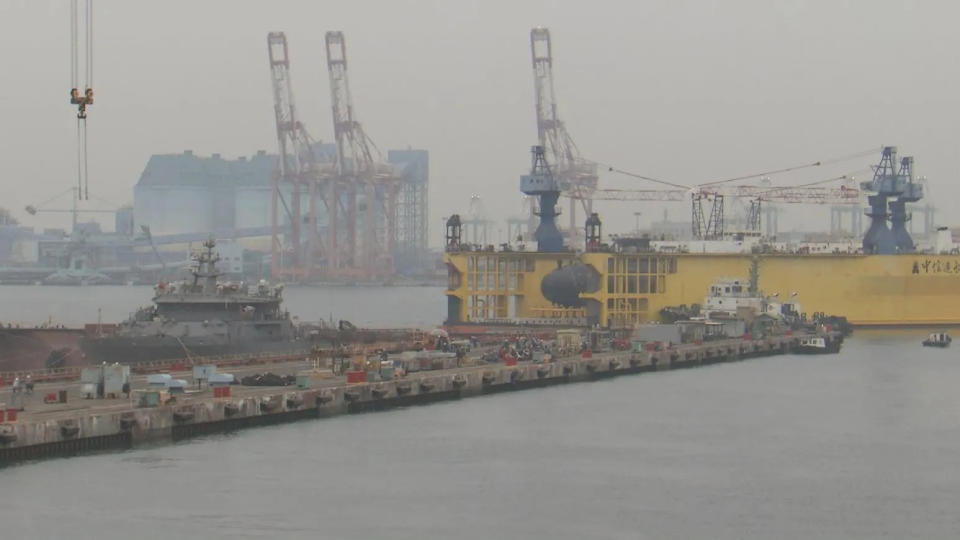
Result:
x=937 y=339
x=817 y=345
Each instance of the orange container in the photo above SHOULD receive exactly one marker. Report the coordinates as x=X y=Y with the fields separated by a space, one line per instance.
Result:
x=510 y=361
x=356 y=376
x=224 y=391
x=11 y=415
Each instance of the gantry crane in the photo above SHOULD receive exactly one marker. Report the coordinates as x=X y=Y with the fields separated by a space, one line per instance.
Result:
x=359 y=172
x=577 y=177
x=297 y=168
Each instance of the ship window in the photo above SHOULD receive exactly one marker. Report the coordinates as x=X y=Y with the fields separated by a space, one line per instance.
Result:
x=673 y=265
x=644 y=265
x=726 y=289
x=633 y=304
x=632 y=284
x=530 y=265
x=632 y=265
x=610 y=264
x=620 y=286
x=736 y=288
x=644 y=304
x=610 y=284
x=662 y=285
x=644 y=286
x=610 y=303
x=653 y=284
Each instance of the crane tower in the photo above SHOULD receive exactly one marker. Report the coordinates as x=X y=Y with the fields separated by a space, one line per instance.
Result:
x=296 y=169
x=362 y=182
x=576 y=177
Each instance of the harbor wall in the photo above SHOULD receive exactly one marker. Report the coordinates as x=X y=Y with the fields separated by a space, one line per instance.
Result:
x=117 y=428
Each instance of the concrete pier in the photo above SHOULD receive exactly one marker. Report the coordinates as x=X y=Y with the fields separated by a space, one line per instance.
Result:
x=93 y=425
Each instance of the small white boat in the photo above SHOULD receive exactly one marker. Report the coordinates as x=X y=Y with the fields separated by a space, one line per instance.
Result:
x=937 y=339
x=817 y=345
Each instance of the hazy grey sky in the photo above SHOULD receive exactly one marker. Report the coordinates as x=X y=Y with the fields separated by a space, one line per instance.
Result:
x=684 y=90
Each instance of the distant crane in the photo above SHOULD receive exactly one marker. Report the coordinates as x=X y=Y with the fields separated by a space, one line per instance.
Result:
x=296 y=167
x=359 y=171
x=75 y=211
x=576 y=176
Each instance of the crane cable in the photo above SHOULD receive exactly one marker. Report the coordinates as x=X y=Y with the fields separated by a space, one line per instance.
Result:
x=847 y=176
x=794 y=168
x=819 y=163
x=86 y=98
x=611 y=168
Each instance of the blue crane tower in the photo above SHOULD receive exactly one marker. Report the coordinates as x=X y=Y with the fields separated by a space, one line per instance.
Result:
x=541 y=183
x=888 y=183
x=909 y=192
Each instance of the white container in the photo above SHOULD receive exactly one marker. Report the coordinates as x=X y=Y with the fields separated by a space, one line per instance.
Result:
x=88 y=390
x=114 y=377
x=159 y=380
x=205 y=373
x=176 y=386
x=221 y=379
x=91 y=375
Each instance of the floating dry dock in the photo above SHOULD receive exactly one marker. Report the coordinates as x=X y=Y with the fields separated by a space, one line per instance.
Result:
x=90 y=425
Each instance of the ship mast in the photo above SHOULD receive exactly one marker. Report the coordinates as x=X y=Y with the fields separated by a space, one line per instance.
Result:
x=207 y=267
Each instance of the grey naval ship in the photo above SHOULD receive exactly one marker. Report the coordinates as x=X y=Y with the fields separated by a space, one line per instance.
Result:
x=203 y=316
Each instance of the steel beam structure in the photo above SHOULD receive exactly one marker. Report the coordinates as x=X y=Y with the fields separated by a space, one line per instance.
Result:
x=363 y=232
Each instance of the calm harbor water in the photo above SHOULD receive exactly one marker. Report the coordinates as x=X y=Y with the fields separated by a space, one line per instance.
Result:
x=857 y=445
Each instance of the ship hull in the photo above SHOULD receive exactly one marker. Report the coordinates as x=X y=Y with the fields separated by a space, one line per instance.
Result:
x=38 y=348
x=134 y=350
x=869 y=290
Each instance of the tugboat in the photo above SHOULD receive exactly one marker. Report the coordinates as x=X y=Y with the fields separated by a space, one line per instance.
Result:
x=201 y=317
x=937 y=339
x=817 y=345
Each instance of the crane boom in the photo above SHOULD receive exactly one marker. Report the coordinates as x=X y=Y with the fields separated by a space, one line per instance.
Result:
x=577 y=176
x=796 y=195
x=296 y=163
x=358 y=174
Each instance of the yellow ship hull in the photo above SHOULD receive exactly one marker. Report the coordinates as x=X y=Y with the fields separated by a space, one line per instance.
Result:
x=870 y=290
